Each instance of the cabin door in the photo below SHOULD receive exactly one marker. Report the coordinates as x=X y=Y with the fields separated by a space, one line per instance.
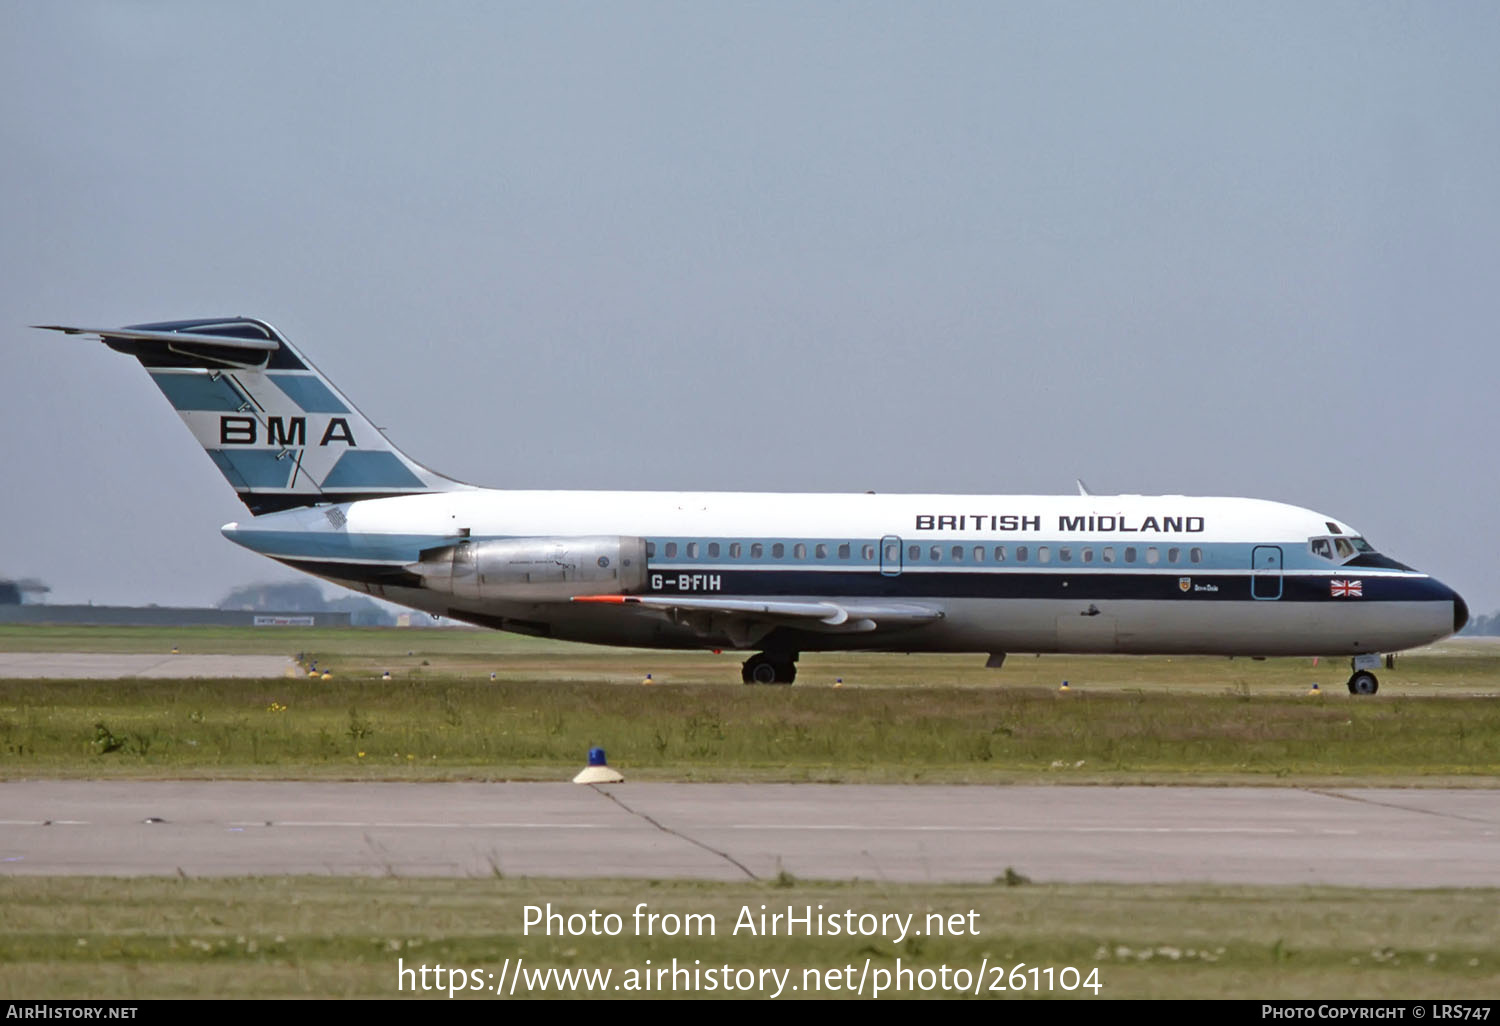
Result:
x=1265 y=572
x=890 y=555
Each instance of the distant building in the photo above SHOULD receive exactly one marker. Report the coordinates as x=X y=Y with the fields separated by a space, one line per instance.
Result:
x=168 y=616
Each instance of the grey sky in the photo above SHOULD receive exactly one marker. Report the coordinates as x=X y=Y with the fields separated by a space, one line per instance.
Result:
x=1167 y=247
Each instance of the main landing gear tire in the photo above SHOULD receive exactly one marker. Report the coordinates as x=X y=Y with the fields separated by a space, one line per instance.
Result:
x=1363 y=683
x=763 y=669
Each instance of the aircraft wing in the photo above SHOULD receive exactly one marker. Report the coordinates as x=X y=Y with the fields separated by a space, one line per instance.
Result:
x=739 y=616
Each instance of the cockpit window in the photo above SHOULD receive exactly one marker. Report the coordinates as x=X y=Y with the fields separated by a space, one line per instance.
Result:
x=1338 y=548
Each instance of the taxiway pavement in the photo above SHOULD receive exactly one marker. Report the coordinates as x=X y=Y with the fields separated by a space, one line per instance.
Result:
x=1271 y=835
x=112 y=665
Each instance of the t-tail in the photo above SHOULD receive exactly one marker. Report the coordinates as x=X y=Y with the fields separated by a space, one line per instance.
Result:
x=277 y=429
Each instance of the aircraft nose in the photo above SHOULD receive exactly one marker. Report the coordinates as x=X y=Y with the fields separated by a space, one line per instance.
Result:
x=1460 y=612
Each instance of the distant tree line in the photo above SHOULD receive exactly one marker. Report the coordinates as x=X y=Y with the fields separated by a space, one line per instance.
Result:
x=1484 y=626
x=13 y=593
x=306 y=597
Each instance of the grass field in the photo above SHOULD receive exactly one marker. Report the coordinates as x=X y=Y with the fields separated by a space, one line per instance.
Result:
x=342 y=937
x=897 y=718
x=452 y=728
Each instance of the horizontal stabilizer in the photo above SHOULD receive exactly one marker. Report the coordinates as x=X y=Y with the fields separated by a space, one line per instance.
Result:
x=262 y=345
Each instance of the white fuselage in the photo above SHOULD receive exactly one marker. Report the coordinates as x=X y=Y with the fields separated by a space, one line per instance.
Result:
x=1142 y=574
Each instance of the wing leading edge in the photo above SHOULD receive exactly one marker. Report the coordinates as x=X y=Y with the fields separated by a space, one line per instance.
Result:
x=820 y=615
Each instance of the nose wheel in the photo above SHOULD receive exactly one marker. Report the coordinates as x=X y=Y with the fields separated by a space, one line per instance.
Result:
x=765 y=668
x=1363 y=682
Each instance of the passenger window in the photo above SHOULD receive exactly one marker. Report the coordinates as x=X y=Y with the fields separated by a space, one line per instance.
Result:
x=671 y=549
x=1152 y=556
x=1020 y=553
x=757 y=550
x=1043 y=554
x=799 y=551
x=958 y=553
x=1173 y=555
x=778 y=550
x=1000 y=554
x=821 y=552
x=713 y=550
x=1107 y=554
x=936 y=554
x=913 y=553
x=1088 y=555
x=1196 y=555
x=979 y=553
x=1065 y=553
x=844 y=551
x=1130 y=553
x=868 y=552
x=892 y=553
x=650 y=549
x=734 y=550
x=692 y=550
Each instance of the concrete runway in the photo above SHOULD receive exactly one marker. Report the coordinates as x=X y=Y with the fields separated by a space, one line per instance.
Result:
x=1363 y=837
x=111 y=666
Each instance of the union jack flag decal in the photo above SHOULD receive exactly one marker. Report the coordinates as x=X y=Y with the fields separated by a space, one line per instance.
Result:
x=1347 y=589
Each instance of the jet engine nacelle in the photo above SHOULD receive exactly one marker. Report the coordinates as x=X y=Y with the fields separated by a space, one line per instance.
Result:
x=535 y=569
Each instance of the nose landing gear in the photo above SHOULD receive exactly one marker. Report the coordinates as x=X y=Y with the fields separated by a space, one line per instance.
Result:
x=1362 y=681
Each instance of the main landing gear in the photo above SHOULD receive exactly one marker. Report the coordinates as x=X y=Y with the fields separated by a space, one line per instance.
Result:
x=768 y=668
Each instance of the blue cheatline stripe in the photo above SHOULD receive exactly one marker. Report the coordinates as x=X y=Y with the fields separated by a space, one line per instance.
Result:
x=1079 y=586
x=197 y=391
x=309 y=393
x=251 y=468
x=363 y=469
x=1215 y=556
x=1232 y=556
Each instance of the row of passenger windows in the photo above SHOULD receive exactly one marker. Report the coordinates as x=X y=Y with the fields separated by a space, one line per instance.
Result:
x=1043 y=554
x=758 y=550
x=934 y=554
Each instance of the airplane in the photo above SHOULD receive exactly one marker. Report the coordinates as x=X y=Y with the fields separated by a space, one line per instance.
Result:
x=772 y=574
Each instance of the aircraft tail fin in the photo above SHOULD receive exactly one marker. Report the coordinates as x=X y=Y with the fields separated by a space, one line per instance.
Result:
x=277 y=429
